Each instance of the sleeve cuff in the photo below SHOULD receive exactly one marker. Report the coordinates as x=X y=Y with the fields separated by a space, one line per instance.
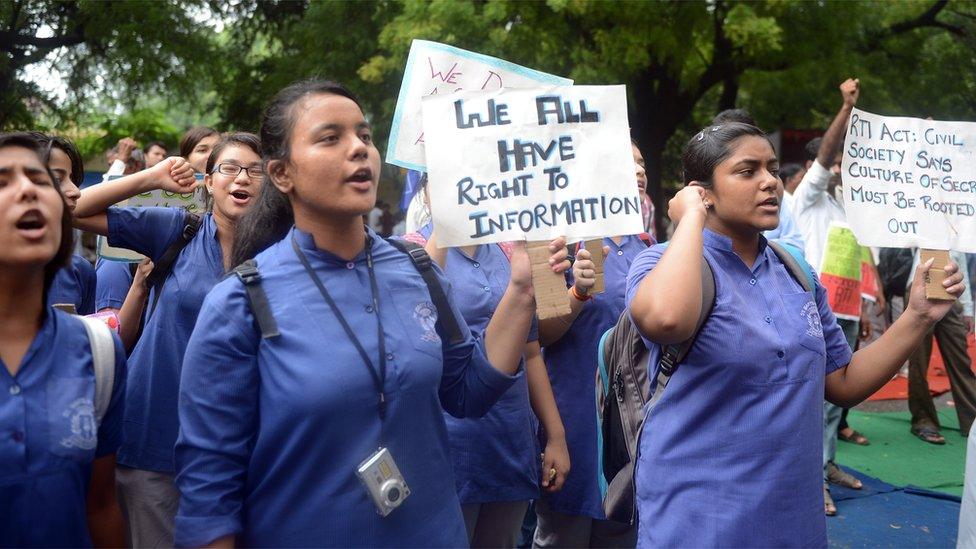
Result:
x=833 y=364
x=199 y=531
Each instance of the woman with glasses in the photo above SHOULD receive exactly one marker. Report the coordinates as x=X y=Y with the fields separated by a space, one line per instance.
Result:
x=233 y=180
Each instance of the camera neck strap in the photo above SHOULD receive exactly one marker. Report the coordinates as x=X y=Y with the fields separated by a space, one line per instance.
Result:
x=379 y=377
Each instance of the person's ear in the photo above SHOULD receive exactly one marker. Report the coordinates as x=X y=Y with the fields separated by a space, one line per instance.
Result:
x=279 y=174
x=708 y=200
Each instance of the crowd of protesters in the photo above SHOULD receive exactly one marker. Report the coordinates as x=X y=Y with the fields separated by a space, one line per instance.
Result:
x=270 y=349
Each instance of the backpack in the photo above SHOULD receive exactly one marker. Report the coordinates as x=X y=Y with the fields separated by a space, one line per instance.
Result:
x=249 y=275
x=623 y=388
x=103 y=362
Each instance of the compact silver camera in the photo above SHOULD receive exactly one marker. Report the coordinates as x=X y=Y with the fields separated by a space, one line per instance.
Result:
x=383 y=481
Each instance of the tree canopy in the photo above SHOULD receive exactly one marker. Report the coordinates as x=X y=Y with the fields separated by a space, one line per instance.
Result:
x=682 y=61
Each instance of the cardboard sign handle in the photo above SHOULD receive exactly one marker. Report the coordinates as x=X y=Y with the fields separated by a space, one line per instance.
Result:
x=551 y=299
x=595 y=247
x=936 y=274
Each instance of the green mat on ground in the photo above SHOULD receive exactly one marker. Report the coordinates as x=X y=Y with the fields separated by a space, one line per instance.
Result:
x=898 y=457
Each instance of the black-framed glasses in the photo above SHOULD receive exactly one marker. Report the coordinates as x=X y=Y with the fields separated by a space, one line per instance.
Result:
x=233 y=170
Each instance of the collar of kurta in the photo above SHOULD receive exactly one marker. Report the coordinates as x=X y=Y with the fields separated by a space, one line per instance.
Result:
x=307 y=243
x=722 y=243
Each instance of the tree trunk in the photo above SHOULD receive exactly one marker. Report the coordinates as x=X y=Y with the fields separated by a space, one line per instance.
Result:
x=730 y=92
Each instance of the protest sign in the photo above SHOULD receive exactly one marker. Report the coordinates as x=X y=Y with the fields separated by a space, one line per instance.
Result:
x=870 y=285
x=192 y=202
x=531 y=164
x=840 y=271
x=910 y=182
x=434 y=68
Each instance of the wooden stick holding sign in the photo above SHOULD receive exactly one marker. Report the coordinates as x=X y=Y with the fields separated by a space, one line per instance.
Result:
x=595 y=247
x=550 y=287
x=936 y=274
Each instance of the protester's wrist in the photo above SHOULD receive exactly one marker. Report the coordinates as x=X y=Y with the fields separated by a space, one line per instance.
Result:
x=917 y=319
x=580 y=295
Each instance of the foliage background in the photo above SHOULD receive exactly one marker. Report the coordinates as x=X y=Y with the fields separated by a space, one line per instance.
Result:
x=152 y=69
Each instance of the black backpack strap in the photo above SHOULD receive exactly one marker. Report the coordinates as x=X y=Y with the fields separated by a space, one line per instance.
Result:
x=672 y=355
x=248 y=274
x=424 y=265
x=163 y=266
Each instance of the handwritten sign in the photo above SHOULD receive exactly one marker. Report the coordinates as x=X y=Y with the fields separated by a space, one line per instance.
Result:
x=910 y=182
x=531 y=164
x=434 y=68
x=193 y=202
x=840 y=271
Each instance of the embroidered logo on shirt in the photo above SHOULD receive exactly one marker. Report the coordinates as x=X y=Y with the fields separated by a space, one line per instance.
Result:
x=84 y=428
x=425 y=313
x=810 y=312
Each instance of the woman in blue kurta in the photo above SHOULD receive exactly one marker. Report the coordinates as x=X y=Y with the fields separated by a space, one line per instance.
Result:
x=496 y=458
x=762 y=363
x=73 y=288
x=272 y=430
x=233 y=179
x=54 y=453
x=573 y=517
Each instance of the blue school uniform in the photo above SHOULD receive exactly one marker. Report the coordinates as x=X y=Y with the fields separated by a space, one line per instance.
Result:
x=75 y=285
x=731 y=455
x=114 y=280
x=49 y=436
x=496 y=456
x=151 y=423
x=272 y=430
x=572 y=364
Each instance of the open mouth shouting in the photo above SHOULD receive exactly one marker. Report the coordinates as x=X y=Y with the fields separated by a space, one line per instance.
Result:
x=241 y=197
x=770 y=205
x=32 y=225
x=362 y=179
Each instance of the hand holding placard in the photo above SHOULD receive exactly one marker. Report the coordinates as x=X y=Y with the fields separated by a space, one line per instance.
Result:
x=931 y=310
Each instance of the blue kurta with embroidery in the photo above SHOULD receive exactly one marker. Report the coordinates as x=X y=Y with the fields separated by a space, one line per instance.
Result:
x=572 y=364
x=74 y=285
x=114 y=280
x=496 y=457
x=272 y=430
x=731 y=455
x=151 y=422
x=49 y=436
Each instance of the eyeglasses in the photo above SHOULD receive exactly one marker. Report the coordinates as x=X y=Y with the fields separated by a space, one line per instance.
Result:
x=233 y=170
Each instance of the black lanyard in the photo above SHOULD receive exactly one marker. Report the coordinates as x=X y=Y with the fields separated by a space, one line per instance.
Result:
x=378 y=378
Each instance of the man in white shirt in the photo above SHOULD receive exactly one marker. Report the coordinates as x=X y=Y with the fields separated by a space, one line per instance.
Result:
x=815 y=206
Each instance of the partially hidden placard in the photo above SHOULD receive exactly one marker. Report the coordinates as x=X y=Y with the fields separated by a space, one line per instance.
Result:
x=433 y=68
x=531 y=164
x=193 y=202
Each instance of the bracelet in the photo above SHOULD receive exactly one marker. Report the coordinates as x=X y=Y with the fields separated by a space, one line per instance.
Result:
x=578 y=296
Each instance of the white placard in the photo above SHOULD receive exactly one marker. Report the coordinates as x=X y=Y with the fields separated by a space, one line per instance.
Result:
x=533 y=164
x=910 y=182
x=434 y=68
x=193 y=202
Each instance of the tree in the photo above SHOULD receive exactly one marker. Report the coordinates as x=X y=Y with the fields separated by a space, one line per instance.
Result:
x=672 y=55
x=124 y=47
